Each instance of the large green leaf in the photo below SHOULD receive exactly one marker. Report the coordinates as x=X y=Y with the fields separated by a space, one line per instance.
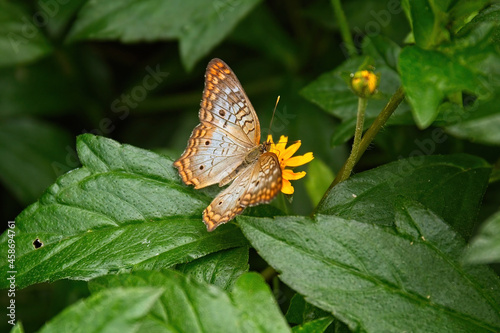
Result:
x=429 y=76
x=221 y=268
x=434 y=181
x=190 y=306
x=378 y=279
x=114 y=310
x=20 y=38
x=485 y=247
x=199 y=26
x=32 y=154
x=124 y=209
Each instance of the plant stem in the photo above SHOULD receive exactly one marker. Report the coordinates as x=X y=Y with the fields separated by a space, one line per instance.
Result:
x=345 y=32
x=370 y=134
x=353 y=157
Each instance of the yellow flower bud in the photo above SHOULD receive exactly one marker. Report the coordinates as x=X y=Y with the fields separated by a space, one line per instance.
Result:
x=364 y=83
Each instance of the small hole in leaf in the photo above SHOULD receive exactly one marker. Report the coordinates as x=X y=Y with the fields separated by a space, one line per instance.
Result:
x=37 y=243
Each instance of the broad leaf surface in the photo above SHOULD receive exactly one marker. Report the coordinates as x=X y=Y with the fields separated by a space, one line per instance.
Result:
x=21 y=40
x=124 y=209
x=221 y=268
x=434 y=181
x=479 y=124
x=114 y=310
x=199 y=25
x=32 y=153
x=378 y=279
x=485 y=247
x=422 y=71
x=191 y=306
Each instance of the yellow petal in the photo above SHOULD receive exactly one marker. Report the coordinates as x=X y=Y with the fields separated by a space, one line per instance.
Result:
x=291 y=150
x=299 y=160
x=290 y=175
x=270 y=138
x=287 y=187
x=282 y=143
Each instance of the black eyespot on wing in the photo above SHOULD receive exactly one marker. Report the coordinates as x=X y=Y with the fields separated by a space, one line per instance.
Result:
x=222 y=113
x=207 y=142
x=202 y=167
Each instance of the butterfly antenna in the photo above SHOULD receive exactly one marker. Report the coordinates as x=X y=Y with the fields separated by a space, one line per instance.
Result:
x=272 y=118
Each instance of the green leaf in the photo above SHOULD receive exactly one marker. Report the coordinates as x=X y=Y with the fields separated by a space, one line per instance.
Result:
x=199 y=26
x=490 y=14
x=429 y=76
x=114 y=310
x=124 y=209
x=464 y=10
x=480 y=123
x=18 y=328
x=314 y=326
x=221 y=268
x=253 y=298
x=33 y=153
x=300 y=312
x=379 y=279
x=452 y=186
x=61 y=13
x=21 y=40
x=485 y=247
x=191 y=306
x=429 y=22
x=319 y=177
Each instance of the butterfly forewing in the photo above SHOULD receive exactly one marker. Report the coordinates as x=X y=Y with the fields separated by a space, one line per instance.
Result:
x=259 y=183
x=226 y=105
x=229 y=129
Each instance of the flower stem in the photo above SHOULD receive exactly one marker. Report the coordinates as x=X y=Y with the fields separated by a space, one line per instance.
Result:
x=345 y=32
x=360 y=120
x=370 y=134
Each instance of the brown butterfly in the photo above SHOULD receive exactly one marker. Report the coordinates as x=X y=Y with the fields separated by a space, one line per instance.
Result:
x=226 y=147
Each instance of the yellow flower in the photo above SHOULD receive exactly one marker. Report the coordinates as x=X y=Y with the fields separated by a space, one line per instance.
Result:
x=286 y=160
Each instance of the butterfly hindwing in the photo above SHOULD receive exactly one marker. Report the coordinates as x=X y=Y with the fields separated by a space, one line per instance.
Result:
x=259 y=183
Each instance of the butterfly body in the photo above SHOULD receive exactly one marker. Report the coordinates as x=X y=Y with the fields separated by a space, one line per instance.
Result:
x=226 y=147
